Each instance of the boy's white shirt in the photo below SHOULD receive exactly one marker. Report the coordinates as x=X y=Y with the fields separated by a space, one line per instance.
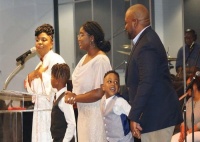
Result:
x=68 y=111
x=121 y=106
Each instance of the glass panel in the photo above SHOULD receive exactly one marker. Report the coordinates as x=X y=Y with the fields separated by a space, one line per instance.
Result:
x=16 y=115
x=102 y=14
x=191 y=10
x=13 y=109
x=110 y=15
x=121 y=44
x=83 y=13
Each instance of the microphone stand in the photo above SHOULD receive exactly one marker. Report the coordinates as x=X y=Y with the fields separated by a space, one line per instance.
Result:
x=192 y=116
x=14 y=72
x=184 y=107
x=11 y=75
x=124 y=62
x=116 y=34
x=184 y=110
x=193 y=101
x=185 y=123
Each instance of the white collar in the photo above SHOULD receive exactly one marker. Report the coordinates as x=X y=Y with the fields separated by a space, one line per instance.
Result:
x=61 y=91
x=138 y=35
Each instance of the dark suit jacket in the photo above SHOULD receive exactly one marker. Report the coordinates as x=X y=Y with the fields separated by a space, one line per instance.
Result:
x=154 y=102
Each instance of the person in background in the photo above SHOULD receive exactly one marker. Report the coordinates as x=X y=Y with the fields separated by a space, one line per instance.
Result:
x=38 y=82
x=63 y=125
x=155 y=108
x=115 y=110
x=86 y=79
x=192 y=53
x=195 y=90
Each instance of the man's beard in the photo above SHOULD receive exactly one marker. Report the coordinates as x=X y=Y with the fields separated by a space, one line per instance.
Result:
x=130 y=35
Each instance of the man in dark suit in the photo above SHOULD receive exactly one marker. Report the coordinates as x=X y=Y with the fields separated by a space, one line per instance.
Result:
x=155 y=109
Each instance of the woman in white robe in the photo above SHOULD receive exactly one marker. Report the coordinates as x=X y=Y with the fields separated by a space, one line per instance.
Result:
x=38 y=82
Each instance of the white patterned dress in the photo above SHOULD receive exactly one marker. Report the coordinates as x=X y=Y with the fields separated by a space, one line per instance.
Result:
x=43 y=100
x=86 y=78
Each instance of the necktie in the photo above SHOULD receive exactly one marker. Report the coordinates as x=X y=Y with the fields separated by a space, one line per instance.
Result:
x=54 y=98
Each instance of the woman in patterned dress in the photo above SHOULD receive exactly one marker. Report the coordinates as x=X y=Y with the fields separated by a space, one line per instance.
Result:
x=87 y=79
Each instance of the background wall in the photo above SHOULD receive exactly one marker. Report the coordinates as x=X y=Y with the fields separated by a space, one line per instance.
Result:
x=191 y=16
x=18 y=21
x=20 y=18
x=169 y=25
x=66 y=30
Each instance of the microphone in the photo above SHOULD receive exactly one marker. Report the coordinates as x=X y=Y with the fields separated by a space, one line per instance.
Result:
x=23 y=56
x=197 y=74
x=119 y=33
x=183 y=96
x=116 y=34
x=191 y=44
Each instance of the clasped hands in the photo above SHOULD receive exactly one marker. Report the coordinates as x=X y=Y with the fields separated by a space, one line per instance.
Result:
x=70 y=97
x=136 y=129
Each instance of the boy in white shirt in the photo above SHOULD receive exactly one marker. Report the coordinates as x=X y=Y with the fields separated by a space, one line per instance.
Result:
x=115 y=110
x=63 y=126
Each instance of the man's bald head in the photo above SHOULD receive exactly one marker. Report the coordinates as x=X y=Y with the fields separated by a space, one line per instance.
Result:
x=140 y=12
x=136 y=19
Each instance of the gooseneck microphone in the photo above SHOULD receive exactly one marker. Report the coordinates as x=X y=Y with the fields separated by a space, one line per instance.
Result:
x=192 y=45
x=19 y=66
x=197 y=73
x=23 y=56
x=189 y=86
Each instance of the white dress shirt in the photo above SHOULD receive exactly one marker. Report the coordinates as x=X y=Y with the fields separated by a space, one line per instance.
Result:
x=121 y=106
x=68 y=111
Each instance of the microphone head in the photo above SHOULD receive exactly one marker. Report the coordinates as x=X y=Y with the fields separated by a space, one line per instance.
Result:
x=197 y=73
x=192 y=43
x=33 y=49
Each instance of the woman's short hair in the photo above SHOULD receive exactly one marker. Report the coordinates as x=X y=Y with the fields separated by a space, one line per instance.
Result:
x=45 y=28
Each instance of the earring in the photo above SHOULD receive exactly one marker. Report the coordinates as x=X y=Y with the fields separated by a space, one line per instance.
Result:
x=91 y=42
